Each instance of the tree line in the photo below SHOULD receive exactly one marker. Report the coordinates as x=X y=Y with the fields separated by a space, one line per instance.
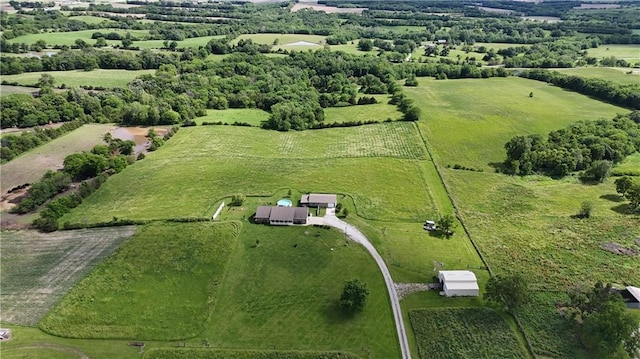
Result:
x=582 y=146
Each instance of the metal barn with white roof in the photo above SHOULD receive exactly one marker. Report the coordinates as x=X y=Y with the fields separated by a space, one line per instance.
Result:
x=459 y=283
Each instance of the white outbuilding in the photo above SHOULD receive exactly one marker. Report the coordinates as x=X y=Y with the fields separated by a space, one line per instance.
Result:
x=459 y=283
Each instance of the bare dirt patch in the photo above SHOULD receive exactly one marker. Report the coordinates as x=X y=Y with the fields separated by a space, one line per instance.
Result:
x=38 y=269
x=138 y=135
x=619 y=249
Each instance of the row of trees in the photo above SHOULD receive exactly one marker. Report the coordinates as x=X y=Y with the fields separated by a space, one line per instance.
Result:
x=13 y=145
x=578 y=147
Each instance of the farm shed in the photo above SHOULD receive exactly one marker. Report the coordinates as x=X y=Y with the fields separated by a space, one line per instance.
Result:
x=459 y=283
x=319 y=200
x=631 y=296
x=281 y=216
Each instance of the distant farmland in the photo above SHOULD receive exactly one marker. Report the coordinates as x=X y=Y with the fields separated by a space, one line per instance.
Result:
x=78 y=78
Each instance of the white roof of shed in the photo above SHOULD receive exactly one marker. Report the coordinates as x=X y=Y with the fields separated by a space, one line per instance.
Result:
x=462 y=285
x=457 y=276
x=635 y=291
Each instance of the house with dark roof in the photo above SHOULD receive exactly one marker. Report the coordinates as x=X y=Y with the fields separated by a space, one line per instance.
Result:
x=319 y=200
x=281 y=216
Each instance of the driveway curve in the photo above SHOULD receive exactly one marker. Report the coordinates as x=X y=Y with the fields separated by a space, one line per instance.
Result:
x=352 y=232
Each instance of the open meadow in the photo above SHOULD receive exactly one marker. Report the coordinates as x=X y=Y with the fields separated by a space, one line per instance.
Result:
x=217 y=161
x=252 y=116
x=282 y=39
x=78 y=78
x=620 y=75
x=525 y=224
x=381 y=111
x=38 y=269
x=30 y=166
x=629 y=53
x=69 y=38
x=6 y=90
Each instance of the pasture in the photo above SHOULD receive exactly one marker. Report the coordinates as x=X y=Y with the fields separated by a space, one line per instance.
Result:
x=161 y=284
x=283 y=290
x=630 y=166
x=456 y=111
x=618 y=75
x=69 y=38
x=217 y=161
x=375 y=112
x=30 y=166
x=464 y=333
x=6 y=90
x=525 y=224
x=92 y=19
x=282 y=39
x=78 y=78
x=629 y=53
x=38 y=269
x=252 y=116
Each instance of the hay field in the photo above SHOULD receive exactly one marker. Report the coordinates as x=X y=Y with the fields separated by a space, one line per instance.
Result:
x=618 y=75
x=38 y=269
x=217 y=161
x=252 y=116
x=77 y=78
x=30 y=166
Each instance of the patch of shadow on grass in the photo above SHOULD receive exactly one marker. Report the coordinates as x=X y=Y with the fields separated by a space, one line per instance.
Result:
x=333 y=314
x=624 y=208
x=497 y=166
x=612 y=197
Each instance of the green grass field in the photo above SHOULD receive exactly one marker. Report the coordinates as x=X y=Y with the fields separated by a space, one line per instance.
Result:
x=616 y=74
x=188 y=42
x=161 y=284
x=77 y=78
x=464 y=333
x=286 y=288
x=376 y=112
x=629 y=53
x=525 y=225
x=456 y=111
x=283 y=39
x=30 y=166
x=217 y=161
x=69 y=38
x=631 y=165
x=91 y=19
x=247 y=115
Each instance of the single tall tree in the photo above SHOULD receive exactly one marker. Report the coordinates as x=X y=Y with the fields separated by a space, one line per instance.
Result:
x=508 y=291
x=354 y=296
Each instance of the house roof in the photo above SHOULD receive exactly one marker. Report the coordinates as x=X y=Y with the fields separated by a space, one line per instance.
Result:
x=457 y=276
x=282 y=213
x=319 y=198
x=300 y=213
x=635 y=292
x=462 y=285
x=263 y=212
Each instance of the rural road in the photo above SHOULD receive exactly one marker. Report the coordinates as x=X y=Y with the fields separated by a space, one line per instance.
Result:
x=352 y=232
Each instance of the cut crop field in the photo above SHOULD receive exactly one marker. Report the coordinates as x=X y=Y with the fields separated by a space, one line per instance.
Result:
x=282 y=287
x=464 y=333
x=252 y=116
x=69 y=38
x=468 y=121
x=374 y=112
x=161 y=284
x=30 y=166
x=618 y=75
x=217 y=161
x=38 y=269
x=77 y=78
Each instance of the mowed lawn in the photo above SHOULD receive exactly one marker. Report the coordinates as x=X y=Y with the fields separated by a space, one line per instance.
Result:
x=468 y=121
x=160 y=285
x=281 y=292
x=30 y=166
x=77 y=78
x=203 y=164
x=616 y=74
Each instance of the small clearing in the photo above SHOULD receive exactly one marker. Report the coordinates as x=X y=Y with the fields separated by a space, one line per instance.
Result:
x=38 y=269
